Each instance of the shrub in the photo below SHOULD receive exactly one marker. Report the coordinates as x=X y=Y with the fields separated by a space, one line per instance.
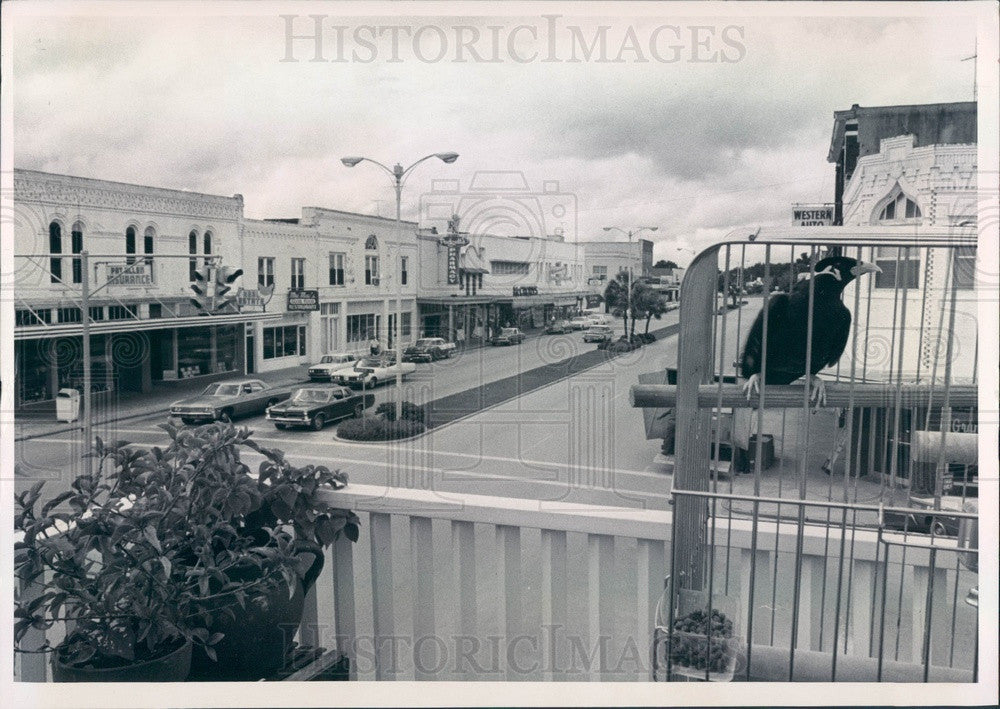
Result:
x=371 y=428
x=410 y=411
x=646 y=338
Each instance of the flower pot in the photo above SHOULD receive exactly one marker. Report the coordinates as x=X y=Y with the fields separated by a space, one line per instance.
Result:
x=257 y=638
x=173 y=666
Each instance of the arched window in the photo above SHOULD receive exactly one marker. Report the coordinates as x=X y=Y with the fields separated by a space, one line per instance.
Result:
x=371 y=243
x=899 y=208
x=129 y=245
x=148 y=248
x=55 y=247
x=76 y=246
x=208 y=243
x=192 y=249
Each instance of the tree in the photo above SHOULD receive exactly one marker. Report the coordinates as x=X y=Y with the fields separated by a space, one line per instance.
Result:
x=616 y=298
x=647 y=303
x=663 y=263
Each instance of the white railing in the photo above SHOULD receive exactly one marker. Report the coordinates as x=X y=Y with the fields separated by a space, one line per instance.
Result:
x=444 y=586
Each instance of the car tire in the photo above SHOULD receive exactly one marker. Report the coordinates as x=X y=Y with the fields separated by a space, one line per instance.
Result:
x=187 y=421
x=359 y=410
x=281 y=426
x=226 y=416
x=318 y=421
x=270 y=402
x=372 y=384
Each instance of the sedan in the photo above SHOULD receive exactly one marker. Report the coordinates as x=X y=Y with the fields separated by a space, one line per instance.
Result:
x=315 y=406
x=508 y=336
x=224 y=401
x=598 y=333
x=581 y=322
x=558 y=327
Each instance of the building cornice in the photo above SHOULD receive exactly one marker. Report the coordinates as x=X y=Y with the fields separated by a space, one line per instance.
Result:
x=69 y=191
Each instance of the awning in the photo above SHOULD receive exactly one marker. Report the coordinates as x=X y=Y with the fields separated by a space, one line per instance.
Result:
x=101 y=327
x=471 y=260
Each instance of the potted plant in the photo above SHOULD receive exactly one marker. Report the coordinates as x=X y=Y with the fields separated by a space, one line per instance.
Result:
x=233 y=554
x=112 y=589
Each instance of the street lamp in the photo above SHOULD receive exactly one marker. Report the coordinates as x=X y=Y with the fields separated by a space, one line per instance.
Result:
x=630 y=233
x=398 y=175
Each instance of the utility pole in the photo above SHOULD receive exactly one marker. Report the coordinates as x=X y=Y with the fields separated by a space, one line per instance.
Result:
x=88 y=432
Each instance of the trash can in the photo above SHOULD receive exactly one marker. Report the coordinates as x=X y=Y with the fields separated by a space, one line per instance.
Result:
x=67 y=405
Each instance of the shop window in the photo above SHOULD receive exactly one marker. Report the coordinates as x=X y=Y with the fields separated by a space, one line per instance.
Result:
x=302 y=340
x=892 y=258
x=361 y=328
x=336 y=269
x=155 y=310
x=298 y=274
x=403 y=275
x=69 y=315
x=27 y=318
x=123 y=312
x=265 y=271
x=406 y=326
x=269 y=343
x=963 y=269
x=55 y=247
x=287 y=341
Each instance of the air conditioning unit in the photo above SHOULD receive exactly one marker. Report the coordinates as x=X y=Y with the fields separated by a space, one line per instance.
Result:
x=375 y=281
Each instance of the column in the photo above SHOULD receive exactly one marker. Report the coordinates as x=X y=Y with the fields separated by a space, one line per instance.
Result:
x=451 y=322
x=174 y=360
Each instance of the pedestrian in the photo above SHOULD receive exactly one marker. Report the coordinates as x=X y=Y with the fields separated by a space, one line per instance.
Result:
x=460 y=338
x=374 y=347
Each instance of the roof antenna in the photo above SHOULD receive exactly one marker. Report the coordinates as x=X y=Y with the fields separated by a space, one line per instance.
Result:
x=975 y=66
x=754 y=236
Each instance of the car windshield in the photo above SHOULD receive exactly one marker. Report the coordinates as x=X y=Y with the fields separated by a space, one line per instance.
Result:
x=221 y=390
x=311 y=396
x=368 y=363
x=366 y=370
x=508 y=331
x=425 y=342
x=601 y=328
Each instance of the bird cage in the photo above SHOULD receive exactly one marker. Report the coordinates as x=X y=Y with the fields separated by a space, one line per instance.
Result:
x=871 y=455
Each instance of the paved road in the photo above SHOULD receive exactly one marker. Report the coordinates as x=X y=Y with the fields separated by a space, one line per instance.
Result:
x=439 y=460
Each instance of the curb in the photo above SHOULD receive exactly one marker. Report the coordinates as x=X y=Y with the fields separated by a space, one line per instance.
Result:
x=126 y=417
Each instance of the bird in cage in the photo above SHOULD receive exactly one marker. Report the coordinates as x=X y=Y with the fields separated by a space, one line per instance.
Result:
x=788 y=318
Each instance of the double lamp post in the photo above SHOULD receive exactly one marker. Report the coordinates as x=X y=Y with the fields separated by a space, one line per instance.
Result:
x=398 y=175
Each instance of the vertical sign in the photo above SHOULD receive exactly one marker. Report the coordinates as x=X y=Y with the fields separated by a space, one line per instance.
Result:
x=452 y=265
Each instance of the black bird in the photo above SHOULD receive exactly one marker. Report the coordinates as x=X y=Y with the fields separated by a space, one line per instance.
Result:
x=787 y=323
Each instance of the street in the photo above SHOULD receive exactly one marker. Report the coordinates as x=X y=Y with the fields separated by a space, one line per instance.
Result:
x=577 y=439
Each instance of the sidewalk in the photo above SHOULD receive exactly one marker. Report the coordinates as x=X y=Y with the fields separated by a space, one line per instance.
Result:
x=35 y=421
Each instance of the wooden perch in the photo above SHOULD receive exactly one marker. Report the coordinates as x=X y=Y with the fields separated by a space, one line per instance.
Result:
x=838 y=396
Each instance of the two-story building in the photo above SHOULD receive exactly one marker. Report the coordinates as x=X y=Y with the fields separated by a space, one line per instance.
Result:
x=336 y=277
x=127 y=256
x=131 y=252
x=472 y=284
x=912 y=165
x=604 y=260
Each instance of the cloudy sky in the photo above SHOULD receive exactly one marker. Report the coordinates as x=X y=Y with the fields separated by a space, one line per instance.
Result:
x=696 y=124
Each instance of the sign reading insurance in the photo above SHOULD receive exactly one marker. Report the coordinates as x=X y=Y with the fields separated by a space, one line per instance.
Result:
x=303 y=300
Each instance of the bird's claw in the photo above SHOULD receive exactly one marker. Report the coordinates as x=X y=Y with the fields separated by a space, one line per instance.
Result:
x=752 y=386
x=818 y=393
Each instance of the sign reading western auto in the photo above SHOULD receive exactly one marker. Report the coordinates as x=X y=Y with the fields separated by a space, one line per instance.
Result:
x=812 y=214
x=525 y=290
x=303 y=300
x=452 y=265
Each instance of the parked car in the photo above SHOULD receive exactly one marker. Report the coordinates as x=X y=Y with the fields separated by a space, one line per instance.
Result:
x=224 y=401
x=558 y=327
x=428 y=349
x=508 y=336
x=315 y=406
x=580 y=322
x=598 y=333
x=371 y=370
x=600 y=319
x=329 y=365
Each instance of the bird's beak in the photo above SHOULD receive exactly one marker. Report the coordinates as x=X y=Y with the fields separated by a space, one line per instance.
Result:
x=863 y=268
